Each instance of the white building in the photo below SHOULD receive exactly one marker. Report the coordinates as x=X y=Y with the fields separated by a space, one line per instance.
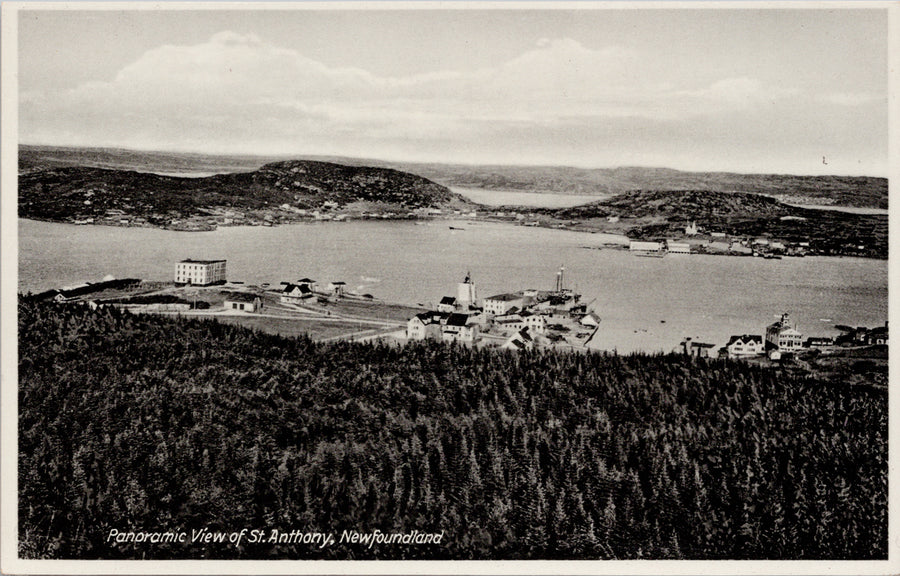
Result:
x=200 y=272
x=637 y=246
x=426 y=325
x=691 y=229
x=746 y=345
x=447 y=304
x=500 y=304
x=678 y=247
x=783 y=335
x=459 y=328
x=465 y=293
x=243 y=301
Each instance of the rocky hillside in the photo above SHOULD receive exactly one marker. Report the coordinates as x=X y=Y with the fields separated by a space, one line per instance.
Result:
x=857 y=191
x=78 y=192
x=681 y=206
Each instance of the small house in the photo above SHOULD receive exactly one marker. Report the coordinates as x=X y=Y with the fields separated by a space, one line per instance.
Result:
x=426 y=325
x=459 y=328
x=243 y=301
x=447 y=304
x=520 y=340
x=295 y=293
x=745 y=345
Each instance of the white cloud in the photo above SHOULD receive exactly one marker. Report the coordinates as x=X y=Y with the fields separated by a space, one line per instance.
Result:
x=852 y=98
x=238 y=93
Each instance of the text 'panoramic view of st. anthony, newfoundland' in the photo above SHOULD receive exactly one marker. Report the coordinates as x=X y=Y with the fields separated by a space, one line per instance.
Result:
x=356 y=284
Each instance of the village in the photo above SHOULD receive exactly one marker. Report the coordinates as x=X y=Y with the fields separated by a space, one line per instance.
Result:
x=521 y=320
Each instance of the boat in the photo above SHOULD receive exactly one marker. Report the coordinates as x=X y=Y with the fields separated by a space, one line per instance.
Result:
x=455 y=228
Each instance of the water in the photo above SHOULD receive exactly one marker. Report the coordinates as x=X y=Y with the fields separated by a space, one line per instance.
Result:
x=531 y=199
x=705 y=297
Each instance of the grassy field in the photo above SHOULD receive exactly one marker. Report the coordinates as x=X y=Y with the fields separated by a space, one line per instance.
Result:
x=315 y=329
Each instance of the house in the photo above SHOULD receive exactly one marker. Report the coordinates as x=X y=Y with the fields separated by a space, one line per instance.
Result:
x=337 y=288
x=243 y=301
x=308 y=282
x=295 y=293
x=783 y=336
x=426 y=325
x=447 y=304
x=817 y=341
x=697 y=349
x=746 y=345
x=459 y=328
x=520 y=340
x=200 y=272
x=500 y=304
x=877 y=336
x=590 y=319
x=690 y=229
x=678 y=247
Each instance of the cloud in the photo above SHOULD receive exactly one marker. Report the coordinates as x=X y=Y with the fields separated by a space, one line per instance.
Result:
x=851 y=99
x=239 y=93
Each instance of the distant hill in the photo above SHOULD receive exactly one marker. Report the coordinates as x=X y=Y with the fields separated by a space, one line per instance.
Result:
x=862 y=192
x=661 y=214
x=66 y=192
x=682 y=206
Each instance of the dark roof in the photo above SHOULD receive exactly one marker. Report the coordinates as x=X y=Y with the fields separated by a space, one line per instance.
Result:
x=506 y=297
x=305 y=281
x=745 y=338
x=302 y=287
x=338 y=283
x=240 y=297
x=448 y=300
x=458 y=320
x=190 y=261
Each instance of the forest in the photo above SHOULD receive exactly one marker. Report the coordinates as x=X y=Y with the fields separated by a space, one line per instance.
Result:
x=144 y=423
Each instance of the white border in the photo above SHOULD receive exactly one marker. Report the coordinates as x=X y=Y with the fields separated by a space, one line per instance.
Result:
x=10 y=564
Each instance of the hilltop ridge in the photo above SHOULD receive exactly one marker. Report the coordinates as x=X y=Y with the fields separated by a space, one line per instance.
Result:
x=275 y=192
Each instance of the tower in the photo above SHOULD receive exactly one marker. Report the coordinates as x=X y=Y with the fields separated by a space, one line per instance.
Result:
x=465 y=292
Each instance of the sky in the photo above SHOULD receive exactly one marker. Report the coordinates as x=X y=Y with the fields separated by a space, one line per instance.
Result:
x=761 y=91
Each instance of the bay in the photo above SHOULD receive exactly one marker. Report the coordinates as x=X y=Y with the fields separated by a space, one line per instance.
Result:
x=645 y=303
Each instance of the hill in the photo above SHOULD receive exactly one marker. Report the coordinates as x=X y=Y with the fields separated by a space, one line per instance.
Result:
x=147 y=423
x=81 y=192
x=663 y=214
x=861 y=192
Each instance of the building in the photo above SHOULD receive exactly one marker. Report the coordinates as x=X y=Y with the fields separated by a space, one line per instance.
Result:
x=590 y=319
x=878 y=336
x=746 y=345
x=465 y=293
x=308 y=282
x=690 y=229
x=697 y=349
x=459 y=328
x=500 y=304
x=337 y=288
x=678 y=247
x=295 y=293
x=520 y=340
x=243 y=301
x=426 y=325
x=640 y=248
x=447 y=304
x=200 y=272
x=818 y=341
x=783 y=336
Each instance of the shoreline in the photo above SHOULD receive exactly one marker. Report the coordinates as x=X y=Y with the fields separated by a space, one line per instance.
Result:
x=570 y=227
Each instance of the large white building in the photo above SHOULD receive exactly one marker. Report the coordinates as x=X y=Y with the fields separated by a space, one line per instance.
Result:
x=200 y=272
x=501 y=303
x=465 y=293
x=783 y=336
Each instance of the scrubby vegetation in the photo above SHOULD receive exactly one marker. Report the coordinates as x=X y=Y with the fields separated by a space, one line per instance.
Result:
x=146 y=423
x=65 y=192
